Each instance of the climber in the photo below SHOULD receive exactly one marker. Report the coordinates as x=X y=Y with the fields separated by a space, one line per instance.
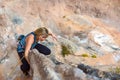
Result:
x=30 y=42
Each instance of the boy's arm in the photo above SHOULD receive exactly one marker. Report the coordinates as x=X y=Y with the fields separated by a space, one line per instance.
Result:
x=51 y=34
x=29 y=42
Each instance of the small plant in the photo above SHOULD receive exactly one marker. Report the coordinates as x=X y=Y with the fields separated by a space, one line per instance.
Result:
x=65 y=51
x=64 y=16
x=85 y=55
x=94 y=56
x=115 y=70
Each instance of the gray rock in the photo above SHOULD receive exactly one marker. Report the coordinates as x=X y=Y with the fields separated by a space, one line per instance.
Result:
x=100 y=74
x=44 y=69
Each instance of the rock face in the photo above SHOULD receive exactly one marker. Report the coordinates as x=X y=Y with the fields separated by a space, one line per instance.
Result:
x=100 y=74
x=81 y=26
x=44 y=69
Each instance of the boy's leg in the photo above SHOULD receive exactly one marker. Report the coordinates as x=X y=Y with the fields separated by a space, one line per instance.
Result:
x=43 y=49
x=25 y=67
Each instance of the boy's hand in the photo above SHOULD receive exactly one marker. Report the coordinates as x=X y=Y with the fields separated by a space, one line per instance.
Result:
x=53 y=36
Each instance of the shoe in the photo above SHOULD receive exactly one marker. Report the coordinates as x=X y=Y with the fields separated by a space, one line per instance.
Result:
x=26 y=73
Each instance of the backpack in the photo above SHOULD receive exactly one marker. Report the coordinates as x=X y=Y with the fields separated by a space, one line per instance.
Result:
x=20 y=37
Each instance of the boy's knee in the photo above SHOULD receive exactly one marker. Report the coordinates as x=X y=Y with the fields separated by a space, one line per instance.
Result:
x=48 y=52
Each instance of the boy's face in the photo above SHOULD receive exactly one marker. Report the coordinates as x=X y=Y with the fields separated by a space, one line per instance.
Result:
x=42 y=37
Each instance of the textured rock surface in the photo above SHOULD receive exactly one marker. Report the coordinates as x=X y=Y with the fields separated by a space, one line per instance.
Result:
x=84 y=26
x=100 y=74
x=44 y=69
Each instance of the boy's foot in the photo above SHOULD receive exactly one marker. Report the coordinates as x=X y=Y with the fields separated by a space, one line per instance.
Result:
x=26 y=73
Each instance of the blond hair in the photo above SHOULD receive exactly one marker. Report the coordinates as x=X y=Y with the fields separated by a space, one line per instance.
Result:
x=41 y=31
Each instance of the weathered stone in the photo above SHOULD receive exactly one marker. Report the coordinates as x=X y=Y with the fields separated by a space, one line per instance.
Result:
x=100 y=74
x=44 y=69
x=68 y=18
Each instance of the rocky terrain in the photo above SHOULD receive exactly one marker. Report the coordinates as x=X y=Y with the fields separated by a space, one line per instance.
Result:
x=88 y=45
